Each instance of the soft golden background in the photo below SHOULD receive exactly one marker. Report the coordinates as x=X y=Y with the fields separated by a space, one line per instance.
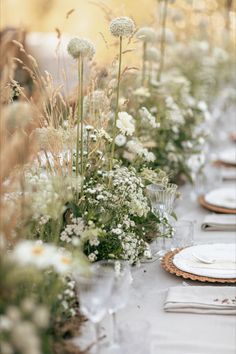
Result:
x=88 y=19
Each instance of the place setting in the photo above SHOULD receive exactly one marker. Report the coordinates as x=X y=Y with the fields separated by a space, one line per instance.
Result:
x=220 y=200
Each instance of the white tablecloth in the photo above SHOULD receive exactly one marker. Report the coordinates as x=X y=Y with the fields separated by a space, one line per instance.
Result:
x=177 y=333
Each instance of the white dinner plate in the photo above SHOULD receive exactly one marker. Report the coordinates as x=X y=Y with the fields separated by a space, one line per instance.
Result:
x=228 y=156
x=222 y=197
x=223 y=267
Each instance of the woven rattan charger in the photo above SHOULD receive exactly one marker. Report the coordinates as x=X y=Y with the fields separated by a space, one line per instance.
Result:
x=214 y=208
x=167 y=264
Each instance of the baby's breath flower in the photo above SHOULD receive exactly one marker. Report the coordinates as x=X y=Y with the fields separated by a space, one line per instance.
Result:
x=81 y=46
x=146 y=34
x=122 y=27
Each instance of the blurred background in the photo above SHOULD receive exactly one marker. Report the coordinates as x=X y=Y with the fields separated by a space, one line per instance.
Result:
x=86 y=18
x=44 y=27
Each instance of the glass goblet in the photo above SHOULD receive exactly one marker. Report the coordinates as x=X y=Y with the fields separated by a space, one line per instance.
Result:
x=162 y=199
x=120 y=292
x=94 y=290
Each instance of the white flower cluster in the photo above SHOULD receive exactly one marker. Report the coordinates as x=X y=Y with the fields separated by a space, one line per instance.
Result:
x=127 y=184
x=122 y=27
x=173 y=113
x=42 y=255
x=136 y=147
x=22 y=326
x=68 y=298
x=74 y=229
x=48 y=195
x=146 y=34
x=80 y=46
x=148 y=117
x=125 y=123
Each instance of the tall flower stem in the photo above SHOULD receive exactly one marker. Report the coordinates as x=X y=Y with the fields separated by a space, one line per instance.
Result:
x=78 y=121
x=117 y=106
x=163 y=41
x=79 y=140
x=144 y=62
x=81 y=123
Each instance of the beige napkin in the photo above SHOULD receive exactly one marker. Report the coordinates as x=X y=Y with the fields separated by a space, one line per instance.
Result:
x=201 y=299
x=219 y=222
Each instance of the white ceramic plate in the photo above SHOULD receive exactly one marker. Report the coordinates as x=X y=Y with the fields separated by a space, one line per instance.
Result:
x=222 y=197
x=228 y=156
x=224 y=266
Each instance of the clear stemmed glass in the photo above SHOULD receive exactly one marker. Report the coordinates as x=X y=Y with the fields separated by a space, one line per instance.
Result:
x=94 y=290
x=162 y=199
x=119 y=295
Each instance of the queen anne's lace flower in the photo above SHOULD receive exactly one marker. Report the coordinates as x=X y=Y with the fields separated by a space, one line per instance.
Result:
x=122 y=27
x=81 y=46
x=125 y=123
x=146 y=34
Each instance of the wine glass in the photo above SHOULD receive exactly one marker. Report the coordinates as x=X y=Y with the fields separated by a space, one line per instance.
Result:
x=162 y=199
x=119 y=295
x=94 y=290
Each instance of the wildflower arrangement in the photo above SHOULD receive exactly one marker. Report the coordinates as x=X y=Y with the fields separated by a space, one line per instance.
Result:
x=74 y=170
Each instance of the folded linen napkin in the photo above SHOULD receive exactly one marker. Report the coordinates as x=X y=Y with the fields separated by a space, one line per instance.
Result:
x=229 y=174
x=219 y=222
x=201 y=299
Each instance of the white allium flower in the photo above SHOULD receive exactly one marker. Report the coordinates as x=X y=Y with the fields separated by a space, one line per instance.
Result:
x=120 y=140
x=125 y=123
x=77 y=46
x=122 y=27
x=152 y=54
x=146 y=34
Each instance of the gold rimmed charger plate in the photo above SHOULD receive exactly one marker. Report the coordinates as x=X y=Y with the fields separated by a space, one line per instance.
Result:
x=214 y=208
x=168 y=265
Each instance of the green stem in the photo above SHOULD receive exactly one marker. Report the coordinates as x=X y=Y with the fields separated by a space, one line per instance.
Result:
x=78 y=121
x=82 y=124
x=117 y=107
x=163 y=41
x=144 y=62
